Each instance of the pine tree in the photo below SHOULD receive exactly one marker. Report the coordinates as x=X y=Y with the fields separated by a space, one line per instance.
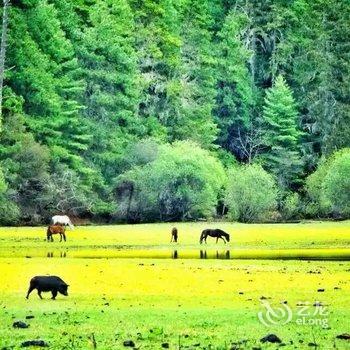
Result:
x=198 y=74
x=314 y=56
x=158 y=44
x=25 y=164
x=234 y=100
x=108 y=59
x=282 y=155
x=3 y=44
x=46 y=75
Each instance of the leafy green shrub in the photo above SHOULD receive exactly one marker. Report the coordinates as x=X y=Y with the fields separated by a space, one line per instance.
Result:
x=329 y=186
x=9 y=212
x=337 y=185
x=318 y=205
x=183 y=182
x=251 y=193
x=290 y=208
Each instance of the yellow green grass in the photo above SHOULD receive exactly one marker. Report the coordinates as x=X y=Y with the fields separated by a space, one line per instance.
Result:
x=193 y=303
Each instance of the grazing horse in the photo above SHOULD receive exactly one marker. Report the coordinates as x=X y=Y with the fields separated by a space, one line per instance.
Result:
x=174 y=235
x=62 y=220
x=56 y=229
x=214 y=233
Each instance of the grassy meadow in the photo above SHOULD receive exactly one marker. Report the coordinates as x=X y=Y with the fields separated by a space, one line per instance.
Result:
x=125 y=285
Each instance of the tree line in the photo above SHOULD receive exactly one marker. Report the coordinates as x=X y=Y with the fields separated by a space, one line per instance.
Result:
x=164 y=110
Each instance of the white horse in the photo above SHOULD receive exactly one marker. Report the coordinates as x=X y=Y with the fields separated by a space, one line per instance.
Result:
x=62 y=220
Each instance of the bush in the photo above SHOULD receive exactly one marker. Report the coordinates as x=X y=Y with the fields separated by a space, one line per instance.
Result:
x=183 y=182
x=251 y=194
x=317 y=205
x=290 y=208
x=337 y=185
x=329 y=186
x=9 y=212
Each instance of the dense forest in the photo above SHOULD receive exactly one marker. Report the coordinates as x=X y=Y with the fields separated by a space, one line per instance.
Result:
x=164 y=110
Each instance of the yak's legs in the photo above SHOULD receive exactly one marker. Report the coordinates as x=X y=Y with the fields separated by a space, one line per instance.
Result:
x=29 y=291
x=39 y=293
x=54 y=294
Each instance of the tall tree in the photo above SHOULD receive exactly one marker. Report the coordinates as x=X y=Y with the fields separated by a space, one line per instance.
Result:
x=108 y=59
x=314 y=55
x=282 y=155
x=234 y=102
x=198 y=73
x=158 y=44
x=3 y=47
x=45 y=74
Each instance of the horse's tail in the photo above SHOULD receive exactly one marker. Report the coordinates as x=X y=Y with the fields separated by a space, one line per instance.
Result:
x=48 y=233
x=201 y=237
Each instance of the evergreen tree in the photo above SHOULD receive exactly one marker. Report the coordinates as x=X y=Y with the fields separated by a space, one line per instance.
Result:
x=198 y=75
x=158 y=44
x=234 y=100
x=86 y=81
x=25 y=165
x=108 y=59
x=314 y=56
x=282 y=155
x=46 y=75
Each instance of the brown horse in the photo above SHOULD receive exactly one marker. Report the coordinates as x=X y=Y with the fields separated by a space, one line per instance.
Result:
x=174 y=235
x=56 y=229
x=216 y=233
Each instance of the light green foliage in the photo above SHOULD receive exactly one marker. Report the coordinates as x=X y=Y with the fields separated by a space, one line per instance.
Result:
x=328 y=186
x=281 y=136
x=251 y=194
x=318 y=204
x=3 y=186
x=9 y=212
x=337 y=184
x=183 y=182
x=291 y=206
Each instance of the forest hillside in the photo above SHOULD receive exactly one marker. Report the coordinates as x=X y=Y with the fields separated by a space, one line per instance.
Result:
x=166 y=110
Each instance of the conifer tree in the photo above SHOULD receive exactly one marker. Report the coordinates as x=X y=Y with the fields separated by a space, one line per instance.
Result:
x=198 y=74
x=234 y=100
x=282 y=155
x=46 y=75
x=108 y=59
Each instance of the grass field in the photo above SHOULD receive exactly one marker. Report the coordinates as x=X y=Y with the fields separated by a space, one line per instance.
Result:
x=125 y=286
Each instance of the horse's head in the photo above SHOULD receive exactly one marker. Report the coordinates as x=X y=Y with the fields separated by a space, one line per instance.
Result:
x=203 y=236
x=228 y=237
